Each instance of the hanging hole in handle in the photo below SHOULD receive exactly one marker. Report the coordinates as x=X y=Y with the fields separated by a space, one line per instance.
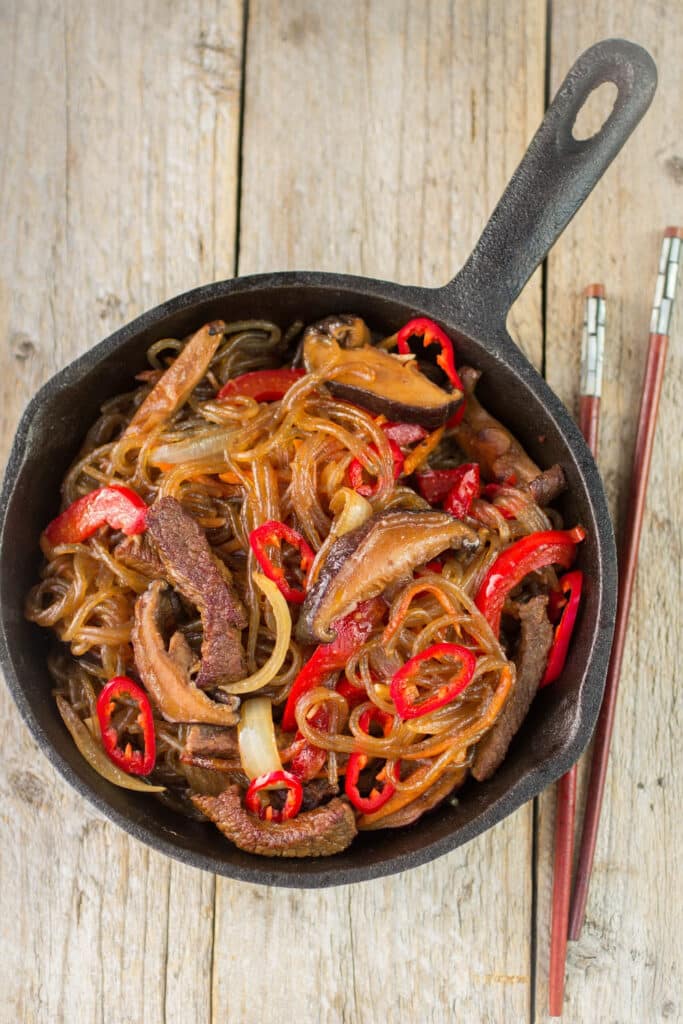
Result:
x=595 y=111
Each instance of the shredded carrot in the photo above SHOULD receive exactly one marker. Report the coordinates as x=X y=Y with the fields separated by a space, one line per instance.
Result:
x=423 y=450
x=229 y=478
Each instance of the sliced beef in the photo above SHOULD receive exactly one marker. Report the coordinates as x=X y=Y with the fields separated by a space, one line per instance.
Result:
x=547 y=486
x=485 y=440
x=316 y=791
x=191 y=567
x=426 y=802
x=318 y=833
x=212 y=741
x=139 y=554
x=536 y=637
x=206 y=781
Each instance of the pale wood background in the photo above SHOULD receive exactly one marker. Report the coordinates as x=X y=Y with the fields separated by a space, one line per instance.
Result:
x=151 y=146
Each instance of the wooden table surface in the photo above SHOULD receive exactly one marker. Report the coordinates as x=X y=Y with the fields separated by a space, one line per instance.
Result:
x=148 y=147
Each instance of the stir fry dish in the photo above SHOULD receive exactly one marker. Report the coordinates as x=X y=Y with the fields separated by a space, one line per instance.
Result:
x=303 y=584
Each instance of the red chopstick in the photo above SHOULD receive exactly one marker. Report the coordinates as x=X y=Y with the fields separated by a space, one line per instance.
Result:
x=592 y=348
x=654 y=372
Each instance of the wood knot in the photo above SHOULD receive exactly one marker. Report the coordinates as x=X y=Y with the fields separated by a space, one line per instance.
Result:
x=22 y=346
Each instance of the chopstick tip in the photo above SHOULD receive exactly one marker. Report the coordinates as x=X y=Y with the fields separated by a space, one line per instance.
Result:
x=673 y=232
x=594 y=291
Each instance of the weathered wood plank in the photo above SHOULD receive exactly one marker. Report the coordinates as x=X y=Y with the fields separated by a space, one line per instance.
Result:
x=627 y=965
x=377 y=139
x=118 y=189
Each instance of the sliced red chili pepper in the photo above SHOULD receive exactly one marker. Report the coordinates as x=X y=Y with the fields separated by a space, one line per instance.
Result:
x=261 y=385
x=466 y=487
x=352 y=632
x=309 y=760
x=537 y=550
x=432 y=334
x=114 y=506
x=356 y=479
x=358 y=761
x=254 y=797
x=272 y=534
x=572 y=584
x=135 y=762
x=404 y=689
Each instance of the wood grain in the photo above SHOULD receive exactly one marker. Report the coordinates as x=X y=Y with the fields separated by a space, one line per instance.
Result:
x=377 y=139
x=626 y=966
x=118 y=189
x=370 y=148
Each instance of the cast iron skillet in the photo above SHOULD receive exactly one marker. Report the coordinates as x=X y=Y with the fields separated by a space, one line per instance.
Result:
x=554 y=178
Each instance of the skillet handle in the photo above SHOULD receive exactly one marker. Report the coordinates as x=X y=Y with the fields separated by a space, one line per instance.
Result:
x=556 y=175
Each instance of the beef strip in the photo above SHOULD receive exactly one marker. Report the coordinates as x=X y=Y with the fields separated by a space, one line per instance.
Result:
x=535 y=641
x=318 y=833
x=426 y=802
x=316 y=791
x=191 y=567
x=485 y=440
x=547 y=486
x=212 y=741
x=139 y=554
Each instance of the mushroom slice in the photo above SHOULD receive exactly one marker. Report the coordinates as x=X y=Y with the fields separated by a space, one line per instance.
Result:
x=379 y=381
x=166 y=673
x=362 y=563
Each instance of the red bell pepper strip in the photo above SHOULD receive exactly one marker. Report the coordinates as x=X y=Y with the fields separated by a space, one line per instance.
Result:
x=261 y=385
x=114 y=506
x=432 y=334
x=272 y=534
x=308 y=760
x=537 y=550
x=404 y=691
x=352 y=632
x=358 y=761
x=572 y=584
x=353 y=695
x=466 y=487
x=434 y=484
x=135 y=762
x=399 y=435
x=369 y=490
x=254 y=798
x=455 y=488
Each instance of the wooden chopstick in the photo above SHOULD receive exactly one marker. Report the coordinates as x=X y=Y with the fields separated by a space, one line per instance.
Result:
x=647 y=421
x=592 y=348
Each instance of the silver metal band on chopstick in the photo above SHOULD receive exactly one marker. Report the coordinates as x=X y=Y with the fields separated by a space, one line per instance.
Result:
x=665 y=289
x=593 y=341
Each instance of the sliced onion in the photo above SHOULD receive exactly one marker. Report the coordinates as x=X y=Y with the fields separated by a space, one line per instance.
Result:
x=192 y=449
x=283 y=632
x=94 y=754
x=350 y=510
x=256 y=737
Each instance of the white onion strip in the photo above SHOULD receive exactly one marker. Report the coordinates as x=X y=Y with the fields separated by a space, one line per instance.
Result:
x=206 y=446
x=283 y=632
x=256 y=737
